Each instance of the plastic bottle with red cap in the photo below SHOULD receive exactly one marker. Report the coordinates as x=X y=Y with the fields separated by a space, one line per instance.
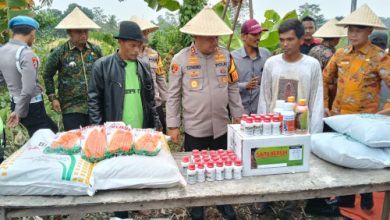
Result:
x=185 y=161
x=249 y=126
x=228 y=169
x=267 y=126
x=210 y=172
x=219 y=171
x=257 y=126
x=191 y=174
x=237 y=169
x=243 y=121
x=201 y=173
x=276 y=125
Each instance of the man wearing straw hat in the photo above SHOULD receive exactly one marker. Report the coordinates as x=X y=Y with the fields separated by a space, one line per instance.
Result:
x=156 y=66
x=203 y=82
x=19 y=69
x=73 y=61
x=331 y=34
x=359 y=69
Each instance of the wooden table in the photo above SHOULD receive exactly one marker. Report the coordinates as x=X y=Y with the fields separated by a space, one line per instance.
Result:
x=323 y=180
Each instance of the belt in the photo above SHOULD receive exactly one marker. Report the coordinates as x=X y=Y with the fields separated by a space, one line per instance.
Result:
x=35 y=99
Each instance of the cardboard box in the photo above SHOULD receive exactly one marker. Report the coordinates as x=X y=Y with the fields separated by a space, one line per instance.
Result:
x=264 y=155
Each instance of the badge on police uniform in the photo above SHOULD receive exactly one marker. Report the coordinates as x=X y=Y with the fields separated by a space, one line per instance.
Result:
x=175 y=68
x=194 y=84
x=35 y=62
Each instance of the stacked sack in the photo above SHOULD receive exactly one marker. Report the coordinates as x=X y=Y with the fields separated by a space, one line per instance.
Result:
x=83 y=161
x=362 y=141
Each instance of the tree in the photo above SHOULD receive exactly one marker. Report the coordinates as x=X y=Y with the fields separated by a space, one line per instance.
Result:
x=312 y=10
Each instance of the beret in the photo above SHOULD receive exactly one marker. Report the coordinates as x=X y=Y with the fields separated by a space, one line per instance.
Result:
x=23 y=20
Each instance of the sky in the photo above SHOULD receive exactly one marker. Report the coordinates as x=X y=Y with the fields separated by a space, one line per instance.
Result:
x=329 y=8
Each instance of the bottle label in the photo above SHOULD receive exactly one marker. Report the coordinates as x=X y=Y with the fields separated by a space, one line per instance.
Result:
x=302 y=119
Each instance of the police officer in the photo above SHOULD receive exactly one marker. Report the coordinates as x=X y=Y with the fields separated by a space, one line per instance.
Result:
x=19 y=68
x=203 y=82
x=156 y=66
x=73 y=61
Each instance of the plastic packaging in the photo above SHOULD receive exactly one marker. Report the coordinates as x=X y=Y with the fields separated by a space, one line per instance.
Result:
x=185 y=161
x=228 y=170
x=220 y=171
x=210 y=172
x=191 y=174
x=267 y=126
x=237 y=170
x=302 y=117
x=249 y=126
x=257 y=126
x=201 y=171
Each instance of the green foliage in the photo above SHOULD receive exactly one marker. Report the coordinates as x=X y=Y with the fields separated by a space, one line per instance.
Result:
x=187 y=11
x=312 y=10
x=223 y=40
x=171 y=5
x=270 y=39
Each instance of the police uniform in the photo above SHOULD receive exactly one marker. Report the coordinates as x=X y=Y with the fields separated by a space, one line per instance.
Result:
x=160 y=84
x=19 y=68
x=204 y=87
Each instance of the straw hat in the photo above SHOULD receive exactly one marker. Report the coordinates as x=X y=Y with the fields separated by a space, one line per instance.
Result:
x=77 y=20
x=144 y=24
x=206 y=23
x=330 y=30
x=363 y=16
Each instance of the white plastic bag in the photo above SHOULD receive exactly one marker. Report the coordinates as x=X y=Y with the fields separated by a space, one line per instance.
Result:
x=345 y=151
x=370 y=129
x=30 y=171
x=137 y=171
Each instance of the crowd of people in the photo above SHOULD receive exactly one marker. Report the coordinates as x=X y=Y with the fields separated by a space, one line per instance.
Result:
x=208 y=87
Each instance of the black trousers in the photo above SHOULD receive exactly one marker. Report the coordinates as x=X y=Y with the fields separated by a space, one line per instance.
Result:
x=161 y=115
x=204 y=143
x=73 y=121
x=208 y=143
x=36 y=118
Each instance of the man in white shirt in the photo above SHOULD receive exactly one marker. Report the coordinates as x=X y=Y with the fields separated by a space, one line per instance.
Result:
x=293 y=74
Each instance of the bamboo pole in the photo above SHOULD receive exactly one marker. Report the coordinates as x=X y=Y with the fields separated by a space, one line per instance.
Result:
x=234 y=24
x=250 y=9
x=225 y=9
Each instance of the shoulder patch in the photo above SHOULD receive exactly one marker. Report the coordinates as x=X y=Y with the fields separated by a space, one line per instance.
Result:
x=175 y=68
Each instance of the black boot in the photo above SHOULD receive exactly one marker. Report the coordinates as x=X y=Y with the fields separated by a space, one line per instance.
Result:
x=227 y=212
x=366 y=202
x=343 y=201
x=197 y=213
x=319 y=207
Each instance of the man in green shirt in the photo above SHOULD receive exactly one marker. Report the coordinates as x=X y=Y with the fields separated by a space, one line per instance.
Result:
x=121 y=86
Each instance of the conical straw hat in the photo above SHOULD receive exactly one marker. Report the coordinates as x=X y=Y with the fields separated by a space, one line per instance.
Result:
x=77 y=20
x=330 y=30
x=206 y=23
x=144 y=24
x=363 y=16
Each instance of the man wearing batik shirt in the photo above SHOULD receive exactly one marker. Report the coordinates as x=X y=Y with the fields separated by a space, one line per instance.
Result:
x=359 y=67
x=331 y=34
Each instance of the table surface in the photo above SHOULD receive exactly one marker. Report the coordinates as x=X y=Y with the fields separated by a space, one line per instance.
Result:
x=323 y=180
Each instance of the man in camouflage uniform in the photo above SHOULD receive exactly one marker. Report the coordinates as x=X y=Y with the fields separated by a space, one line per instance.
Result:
x=73 y=61
x=157 y=69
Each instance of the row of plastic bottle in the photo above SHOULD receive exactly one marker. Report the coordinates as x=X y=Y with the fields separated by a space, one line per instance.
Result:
x=210 y=166
x=287 y=118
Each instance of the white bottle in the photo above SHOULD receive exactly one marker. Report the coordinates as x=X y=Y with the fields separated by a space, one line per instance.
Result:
x=228 y=170
x=276 y=125
x=210 y=172
x=289 y=118
x=267 y=126
x=249 y=126
x=201 y=171
x=242 y=122
x=191 y=174
x=279 y=106
x=185 y=161
x=237 y=170
x=220 y=171
x=257 y=126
